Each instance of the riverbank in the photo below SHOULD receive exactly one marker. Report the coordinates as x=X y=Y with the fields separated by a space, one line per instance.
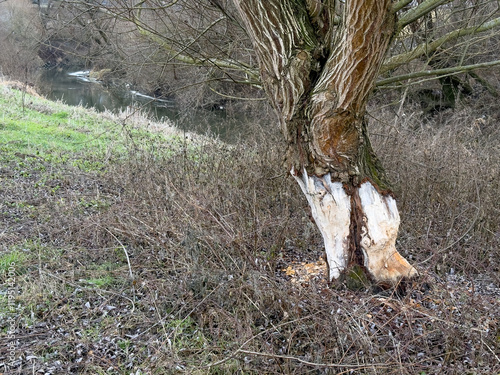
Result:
x=84 y=88
x=131 y=251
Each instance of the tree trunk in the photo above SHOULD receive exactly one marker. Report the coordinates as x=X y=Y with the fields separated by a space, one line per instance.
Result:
x=318 y=77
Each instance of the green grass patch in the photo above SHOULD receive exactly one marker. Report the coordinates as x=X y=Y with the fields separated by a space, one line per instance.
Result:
x=12 y=263
x=54 y=132
x=186 y=334
x=102 y=282
x=106 y=266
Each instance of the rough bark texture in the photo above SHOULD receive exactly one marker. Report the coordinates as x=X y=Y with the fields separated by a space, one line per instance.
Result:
x=339 y=98
x=318 y=76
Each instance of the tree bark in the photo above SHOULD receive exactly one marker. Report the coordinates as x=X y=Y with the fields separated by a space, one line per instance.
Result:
x=318 y=74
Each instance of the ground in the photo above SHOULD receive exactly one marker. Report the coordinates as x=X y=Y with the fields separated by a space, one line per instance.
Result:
x=137 y=252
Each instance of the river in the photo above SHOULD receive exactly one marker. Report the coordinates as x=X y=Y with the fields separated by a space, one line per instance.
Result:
x=76 y=88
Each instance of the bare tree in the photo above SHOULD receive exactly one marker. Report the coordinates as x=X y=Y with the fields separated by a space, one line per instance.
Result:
x=318 y=72
x=19 y=28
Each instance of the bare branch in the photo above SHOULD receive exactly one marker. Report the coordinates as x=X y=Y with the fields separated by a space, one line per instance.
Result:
x=419 y=11
x=437 y=72
x=400 y=5
x=315 y=364
x=428 y=48
x=211 y=61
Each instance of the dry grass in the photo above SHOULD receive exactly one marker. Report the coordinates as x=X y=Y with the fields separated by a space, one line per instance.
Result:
x=446 y=171
x=205 y=229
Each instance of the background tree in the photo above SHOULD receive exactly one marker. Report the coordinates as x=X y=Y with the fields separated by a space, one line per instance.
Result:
x=152 y=43
x=19 y=40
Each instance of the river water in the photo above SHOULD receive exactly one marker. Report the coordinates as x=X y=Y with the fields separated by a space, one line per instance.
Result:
x=76 y=88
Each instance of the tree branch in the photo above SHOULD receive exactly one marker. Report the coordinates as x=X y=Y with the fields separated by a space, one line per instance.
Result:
x=315 y=364
x=437 y=72
x=253 y=77
x=252 y=73
x=419 y=11
x=488 y=86
x=428 y=48
x=400 y=5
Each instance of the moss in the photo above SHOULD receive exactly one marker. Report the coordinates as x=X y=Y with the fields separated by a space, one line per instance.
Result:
x=354 y=278
x=370 y=166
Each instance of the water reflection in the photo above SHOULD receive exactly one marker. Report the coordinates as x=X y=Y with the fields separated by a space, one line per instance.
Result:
x=77 y=88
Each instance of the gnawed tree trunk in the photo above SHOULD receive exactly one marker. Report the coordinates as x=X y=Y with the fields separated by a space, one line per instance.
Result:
x=318 y=72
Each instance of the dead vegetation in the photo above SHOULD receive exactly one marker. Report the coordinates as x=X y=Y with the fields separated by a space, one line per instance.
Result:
x=172 y=260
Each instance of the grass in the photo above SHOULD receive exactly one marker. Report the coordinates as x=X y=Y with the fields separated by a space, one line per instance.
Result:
x=103 y=281
x=35 y=128
x=14 y=257
x=148 y=253
x=45 y=133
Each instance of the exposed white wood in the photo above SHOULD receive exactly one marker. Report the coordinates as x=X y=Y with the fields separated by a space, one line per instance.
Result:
x=331 y=210
x=378 y=237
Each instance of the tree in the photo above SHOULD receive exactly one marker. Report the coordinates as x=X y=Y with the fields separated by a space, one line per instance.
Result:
x=318 y=71
x=319 y=77
x=318 y=62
